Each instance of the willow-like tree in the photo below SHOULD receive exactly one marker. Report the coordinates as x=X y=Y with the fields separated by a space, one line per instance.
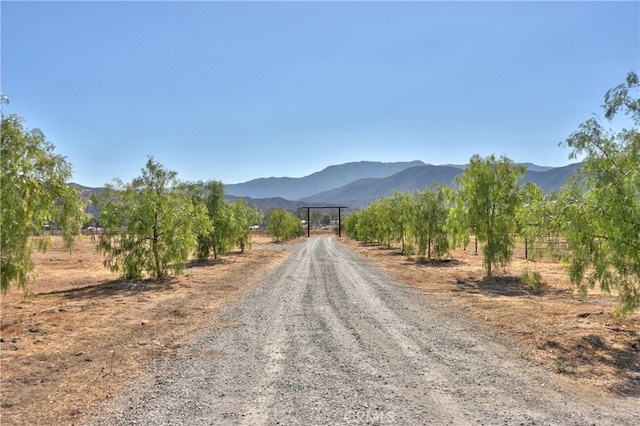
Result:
x=386 y=218
x=149 y=225
x=244 y=218
x=282 y=225
x=34 y=193
x=599 y=209
x=398 y=212
x=218 y=237
x=229 y=223
x=427 y=222
x=486 y=201
x=361 y=225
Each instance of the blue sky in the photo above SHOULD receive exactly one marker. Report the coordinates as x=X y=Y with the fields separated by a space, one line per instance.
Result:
x=234 y=91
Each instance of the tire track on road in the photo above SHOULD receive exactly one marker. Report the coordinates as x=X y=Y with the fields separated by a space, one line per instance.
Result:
x=328 y=338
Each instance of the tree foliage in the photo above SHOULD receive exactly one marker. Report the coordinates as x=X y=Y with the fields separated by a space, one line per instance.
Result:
x=427 y=224
x=149 y=225
x=383 y=220
x=486 y=201
x=216 y=236
x=356 y=225
x=403 y=218
x=599 y=210
x=229 y=223
x=282 y=225
x=245 y=217
x=34 y=193
x=397 y=210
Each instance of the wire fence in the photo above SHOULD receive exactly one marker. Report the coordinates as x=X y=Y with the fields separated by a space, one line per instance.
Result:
x=551 y=247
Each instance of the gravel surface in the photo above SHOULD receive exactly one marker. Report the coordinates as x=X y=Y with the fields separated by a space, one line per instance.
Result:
x=329 y=338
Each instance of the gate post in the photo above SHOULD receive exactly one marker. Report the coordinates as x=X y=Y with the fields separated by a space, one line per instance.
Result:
x=324 y=207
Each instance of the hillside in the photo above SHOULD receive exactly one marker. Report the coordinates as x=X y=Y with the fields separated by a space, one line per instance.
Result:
x=266 y=204
x=530 y=166
x=357 y=184
x=361 y=192
x=552 y=179
x=324 y=180
x=85 y=193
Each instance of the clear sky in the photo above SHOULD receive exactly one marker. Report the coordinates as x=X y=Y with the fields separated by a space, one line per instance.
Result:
x=234 y=91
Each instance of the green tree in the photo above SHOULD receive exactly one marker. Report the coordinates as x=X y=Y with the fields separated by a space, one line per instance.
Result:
x=366 y=225
x=217 y=237
x=350 y=224
x=245 y=217
x=533 y=219
x=224 y=229
x=486 y=202
x=34 y=192
x=386 y=219
x=149 y=225
x=428 y=219
x=599 y=209
x=229 y=223
x=282 y=225
x=371 y=226
x=399 y=211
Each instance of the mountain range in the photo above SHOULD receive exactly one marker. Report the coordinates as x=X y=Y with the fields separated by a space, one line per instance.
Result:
x=330 y=178
x=357 y=184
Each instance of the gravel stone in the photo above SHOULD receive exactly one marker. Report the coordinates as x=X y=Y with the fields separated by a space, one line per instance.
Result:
x=328 y=338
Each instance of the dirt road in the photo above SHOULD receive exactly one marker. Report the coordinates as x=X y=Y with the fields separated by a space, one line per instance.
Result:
x=328 y=338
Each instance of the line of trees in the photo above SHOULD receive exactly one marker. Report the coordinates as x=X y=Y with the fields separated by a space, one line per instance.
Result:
x=597 y=212
x=484 y=202
x=33 y=193
x=153 y=224
x=283 y=225
x=150 y=226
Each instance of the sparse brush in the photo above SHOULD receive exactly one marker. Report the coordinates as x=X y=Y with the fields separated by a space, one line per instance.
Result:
x=526 y=354
x=532 y=279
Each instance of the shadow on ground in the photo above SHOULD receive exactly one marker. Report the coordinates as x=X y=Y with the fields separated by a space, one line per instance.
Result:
x=594 y=350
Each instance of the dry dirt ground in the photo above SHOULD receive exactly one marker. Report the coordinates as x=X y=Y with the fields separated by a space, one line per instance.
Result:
x=579 y=339
x=86 y=334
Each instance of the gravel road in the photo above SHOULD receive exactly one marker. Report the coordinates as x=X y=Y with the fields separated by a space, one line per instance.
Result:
x=328 y=338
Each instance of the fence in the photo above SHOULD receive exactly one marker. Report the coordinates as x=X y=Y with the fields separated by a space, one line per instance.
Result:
x=87 y=231
x=550 y=247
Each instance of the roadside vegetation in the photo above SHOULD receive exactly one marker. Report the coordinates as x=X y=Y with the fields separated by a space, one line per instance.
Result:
x=150 y=227
x=283 y=225
x=596 y=215
x=86 y=324
x=153 y=225
x=33 y=195
x=156 y=224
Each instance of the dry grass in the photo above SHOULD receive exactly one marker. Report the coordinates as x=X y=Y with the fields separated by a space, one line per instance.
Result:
x=577 y=338
x=86 y=333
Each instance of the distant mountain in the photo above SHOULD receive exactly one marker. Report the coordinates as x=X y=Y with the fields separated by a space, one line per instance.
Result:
x=535 y=168
x=551 y=179
x=327 y=179
x=361 y=192
x=357 y=184
x=530 y=167
x=85 y=193
x=266 y=204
